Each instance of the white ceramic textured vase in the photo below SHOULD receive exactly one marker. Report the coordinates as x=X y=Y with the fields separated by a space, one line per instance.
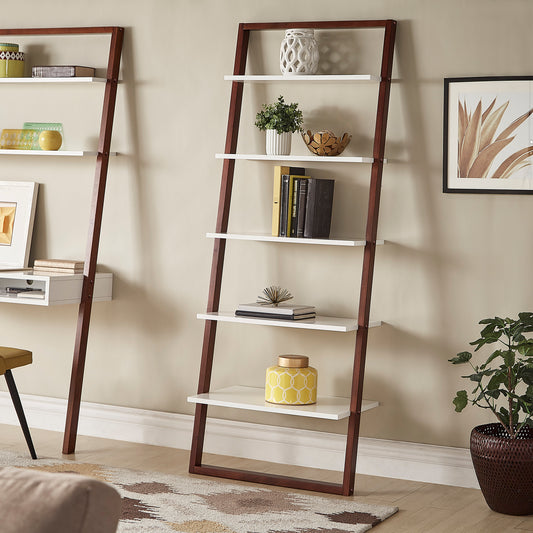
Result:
x=299 y=52
x=278 y=143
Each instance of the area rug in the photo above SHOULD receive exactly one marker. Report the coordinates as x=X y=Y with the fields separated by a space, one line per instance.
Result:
x=161 y=503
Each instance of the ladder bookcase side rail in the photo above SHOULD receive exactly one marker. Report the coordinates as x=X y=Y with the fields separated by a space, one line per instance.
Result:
x=93 y=240
x=368 y=259
x=219 y=246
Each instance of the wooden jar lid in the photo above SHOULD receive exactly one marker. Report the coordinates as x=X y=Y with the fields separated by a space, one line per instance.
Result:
x=293 y=361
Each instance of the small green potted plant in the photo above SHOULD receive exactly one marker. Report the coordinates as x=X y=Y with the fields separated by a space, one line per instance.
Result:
x=502 y=452
x=280 y=121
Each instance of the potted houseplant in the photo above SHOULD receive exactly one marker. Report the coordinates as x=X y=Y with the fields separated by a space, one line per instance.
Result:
x=502 y=452
x=280 y=121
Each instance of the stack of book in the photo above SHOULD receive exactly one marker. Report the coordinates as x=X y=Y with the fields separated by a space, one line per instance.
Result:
x=301 y=205
x=63 y=266
x=61 y=71
x=282 y=311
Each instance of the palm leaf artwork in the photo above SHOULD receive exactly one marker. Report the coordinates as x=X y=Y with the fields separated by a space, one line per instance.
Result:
x=478 y=145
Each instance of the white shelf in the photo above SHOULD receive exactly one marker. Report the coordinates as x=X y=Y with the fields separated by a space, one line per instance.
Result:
x=306 y=78
x=290 y=240
x=67 y=153
x=57 y=288
x=324 y=323
x=306 y=158
x=252 y=398
x=54 y=80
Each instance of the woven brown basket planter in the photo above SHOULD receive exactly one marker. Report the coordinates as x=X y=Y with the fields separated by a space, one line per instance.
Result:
x=504 y=468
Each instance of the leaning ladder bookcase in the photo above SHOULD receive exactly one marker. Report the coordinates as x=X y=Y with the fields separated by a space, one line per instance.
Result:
x=212 y=316
x=116 y=35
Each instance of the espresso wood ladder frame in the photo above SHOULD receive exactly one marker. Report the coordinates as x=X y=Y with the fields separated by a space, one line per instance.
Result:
x=95 y=221
x=200 y=419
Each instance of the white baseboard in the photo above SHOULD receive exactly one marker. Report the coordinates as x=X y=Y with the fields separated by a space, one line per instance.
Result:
x=377 y=457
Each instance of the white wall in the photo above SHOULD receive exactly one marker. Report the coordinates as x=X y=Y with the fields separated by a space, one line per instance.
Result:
x=451 y=259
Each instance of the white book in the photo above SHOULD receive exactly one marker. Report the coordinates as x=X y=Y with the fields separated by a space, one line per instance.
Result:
x=280 y=309
x=37 y=294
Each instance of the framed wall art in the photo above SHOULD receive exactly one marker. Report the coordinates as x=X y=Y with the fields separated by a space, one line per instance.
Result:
x=488 y=135
x=17 y=213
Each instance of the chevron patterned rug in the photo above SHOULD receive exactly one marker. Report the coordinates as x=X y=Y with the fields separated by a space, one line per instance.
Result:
x=161 y=503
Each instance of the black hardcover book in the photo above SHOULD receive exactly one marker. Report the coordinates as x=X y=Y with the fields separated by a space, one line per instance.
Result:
x=276 y=316
x=300 y=207
x=294 y=208
x=283 y=205
x=318 y=208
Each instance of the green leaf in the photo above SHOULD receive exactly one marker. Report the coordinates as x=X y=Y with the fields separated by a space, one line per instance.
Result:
x=461 y=400
x=496 y=380
x=462 y=357
x=489 y=339
x=508 y=357
x=493 y=356
x=527 y=375
x=504 y=414
x=526 y=348
x=488 y=330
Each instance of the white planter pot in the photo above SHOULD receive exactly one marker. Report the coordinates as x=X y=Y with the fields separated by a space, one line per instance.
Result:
x=278 y=143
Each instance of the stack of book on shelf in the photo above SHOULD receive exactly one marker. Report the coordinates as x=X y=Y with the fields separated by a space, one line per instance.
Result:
x=60 y=266
x=61 y=71
x=301 y=205
x=23 y=292
x=280 y=311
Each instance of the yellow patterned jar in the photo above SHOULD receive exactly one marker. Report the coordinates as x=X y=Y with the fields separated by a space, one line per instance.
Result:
x=11 y=64
x=292 y=382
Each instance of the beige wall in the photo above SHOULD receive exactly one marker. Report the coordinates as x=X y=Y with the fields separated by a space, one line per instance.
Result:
x=450 y=260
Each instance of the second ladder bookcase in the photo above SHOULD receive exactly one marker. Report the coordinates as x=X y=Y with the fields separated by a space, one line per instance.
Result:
x=245 y=397
x=90 y=283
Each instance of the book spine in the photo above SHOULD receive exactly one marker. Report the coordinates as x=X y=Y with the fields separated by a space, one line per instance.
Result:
x=61 y=71
x=58 y=263
x=283 y=205
x=319 y=208
x=291 y=207
x=58 y=269
x=280 y=171
x=275 y=316
x=300 y=208
x=276 y=194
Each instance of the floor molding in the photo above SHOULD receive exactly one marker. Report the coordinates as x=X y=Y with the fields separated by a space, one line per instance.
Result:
x=377 y=457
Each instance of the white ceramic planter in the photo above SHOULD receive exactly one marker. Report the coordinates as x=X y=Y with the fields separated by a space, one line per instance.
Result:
x=278 y=143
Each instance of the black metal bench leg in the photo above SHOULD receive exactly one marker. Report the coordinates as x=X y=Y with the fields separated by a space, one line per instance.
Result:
x=20 y=412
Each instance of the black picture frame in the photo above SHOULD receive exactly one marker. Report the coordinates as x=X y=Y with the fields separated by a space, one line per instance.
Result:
x=495 y=155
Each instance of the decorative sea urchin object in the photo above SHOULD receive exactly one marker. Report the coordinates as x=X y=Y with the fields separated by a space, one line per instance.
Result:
x=274 y=295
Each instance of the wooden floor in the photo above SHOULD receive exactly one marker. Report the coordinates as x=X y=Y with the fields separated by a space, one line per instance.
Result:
x=424 y=507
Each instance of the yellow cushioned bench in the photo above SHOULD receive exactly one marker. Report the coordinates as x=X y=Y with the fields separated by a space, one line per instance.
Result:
x=13 y=358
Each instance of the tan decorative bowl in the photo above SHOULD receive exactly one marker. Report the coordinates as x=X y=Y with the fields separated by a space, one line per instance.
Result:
x=325 y=142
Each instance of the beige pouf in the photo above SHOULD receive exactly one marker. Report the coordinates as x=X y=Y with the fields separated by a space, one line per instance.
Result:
x=43 y=502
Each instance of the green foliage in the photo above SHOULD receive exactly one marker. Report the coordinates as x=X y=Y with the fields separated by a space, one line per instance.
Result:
x=506 y=376
x=282 y=117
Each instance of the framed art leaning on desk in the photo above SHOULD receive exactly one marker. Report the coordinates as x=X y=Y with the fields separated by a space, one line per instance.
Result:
x=17 y=213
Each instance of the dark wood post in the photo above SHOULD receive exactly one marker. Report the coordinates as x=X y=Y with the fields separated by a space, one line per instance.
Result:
x=89 y=271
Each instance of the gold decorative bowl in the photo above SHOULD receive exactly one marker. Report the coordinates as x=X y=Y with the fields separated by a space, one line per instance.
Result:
x=325 y=142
